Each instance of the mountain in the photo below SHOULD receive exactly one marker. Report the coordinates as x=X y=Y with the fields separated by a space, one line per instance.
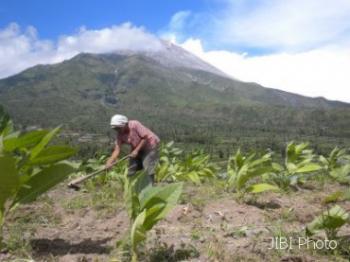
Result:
x=173 y=56
x=174 y=92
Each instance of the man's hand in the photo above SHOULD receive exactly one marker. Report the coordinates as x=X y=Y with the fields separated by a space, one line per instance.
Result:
x=110 y=162
x=109 y=165
x=133 y=154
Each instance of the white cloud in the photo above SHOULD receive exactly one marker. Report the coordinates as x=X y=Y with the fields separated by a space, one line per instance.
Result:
x=294 y=45
x=109 y=39
x=293 y=25
x=178 y=20
x=319 y=72
x=22 y=49
x=176 y=27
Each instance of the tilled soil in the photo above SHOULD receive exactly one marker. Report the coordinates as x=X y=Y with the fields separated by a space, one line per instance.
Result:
x=220 y=229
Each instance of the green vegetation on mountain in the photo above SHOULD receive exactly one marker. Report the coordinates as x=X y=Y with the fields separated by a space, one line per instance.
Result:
x=190 y=106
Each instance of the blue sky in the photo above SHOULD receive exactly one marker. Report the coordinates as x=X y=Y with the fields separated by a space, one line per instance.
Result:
x=57 y=17
x=301 y=46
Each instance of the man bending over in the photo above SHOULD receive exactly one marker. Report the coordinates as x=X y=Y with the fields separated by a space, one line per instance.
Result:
x=144 y=146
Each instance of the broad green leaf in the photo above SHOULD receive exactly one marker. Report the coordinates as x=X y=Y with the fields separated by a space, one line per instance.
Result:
x=153 y=215
x=263 y=160
x=330 y=220
x=193 y=176
x=138 y=232
x=334 y=152
x=290 y=152
x=27 y=140
x=140 y=182
x=341 y=174
x=43 y=181
x=323 y=160
x=296 y=153
x=53 y=154
x=133 y=186
x=9 y=179
x=259 y=188
x=291 y=167
x=308 y=168
x=130 y=199
x=334 y=197
x=277 y=167
x=168 y=194
x=300 y=148
x=43 y=142
x=245 y=177
x=163 y=172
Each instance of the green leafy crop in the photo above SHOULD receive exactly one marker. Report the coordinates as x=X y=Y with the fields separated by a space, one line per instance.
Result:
x=29 y=166
x=241 y=170
x=147 y=205
x=299 y=160
x=330 y=221
x=337 y=165
x=176 y=166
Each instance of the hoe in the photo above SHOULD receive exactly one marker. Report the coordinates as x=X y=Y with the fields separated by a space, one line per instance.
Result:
x=74 y=184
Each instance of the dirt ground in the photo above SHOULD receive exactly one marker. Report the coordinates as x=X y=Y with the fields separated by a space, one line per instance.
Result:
x=207 y=225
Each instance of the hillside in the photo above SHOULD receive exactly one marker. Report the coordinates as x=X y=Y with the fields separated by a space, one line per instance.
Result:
x=179 y=96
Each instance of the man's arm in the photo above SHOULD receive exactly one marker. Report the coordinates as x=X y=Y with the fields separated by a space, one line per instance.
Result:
x=111 y=160
x=137 y=149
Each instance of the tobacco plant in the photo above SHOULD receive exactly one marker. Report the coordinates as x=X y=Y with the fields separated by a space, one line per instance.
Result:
x=242 y=170
x=299 y=161
x=330 y=221
x=337 y=165
x=146 y=206
x=29 y=166
x=176 y=166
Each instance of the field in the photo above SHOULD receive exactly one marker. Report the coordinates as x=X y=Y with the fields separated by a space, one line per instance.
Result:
x=289 y=206
x=208 y=224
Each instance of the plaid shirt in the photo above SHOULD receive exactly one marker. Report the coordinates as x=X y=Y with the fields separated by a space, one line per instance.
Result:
x=136 y=133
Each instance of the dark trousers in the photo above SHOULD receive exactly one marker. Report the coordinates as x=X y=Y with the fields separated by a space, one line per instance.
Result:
x=145 y=160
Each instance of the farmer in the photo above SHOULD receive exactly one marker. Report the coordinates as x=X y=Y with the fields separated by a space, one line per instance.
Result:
x=144 y=146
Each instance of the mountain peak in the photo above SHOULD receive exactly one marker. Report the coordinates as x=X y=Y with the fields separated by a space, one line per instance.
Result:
x=174 y=56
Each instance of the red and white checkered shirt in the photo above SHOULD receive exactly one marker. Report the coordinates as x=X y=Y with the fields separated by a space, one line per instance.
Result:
x=136 y=133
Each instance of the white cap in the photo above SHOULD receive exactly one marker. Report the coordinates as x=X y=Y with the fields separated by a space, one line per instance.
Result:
x=119 y=120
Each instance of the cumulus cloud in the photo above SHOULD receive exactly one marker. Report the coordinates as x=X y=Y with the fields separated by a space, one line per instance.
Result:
x=290 y=24
x=20 y=49
x=109 y=39
x=178 y=20
x=294 y=45
x=318 y=72
x=181 y=24
x=265 y=25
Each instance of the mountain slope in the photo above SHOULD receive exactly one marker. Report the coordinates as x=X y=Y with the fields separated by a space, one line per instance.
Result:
x=173 y=56
x=183 y=99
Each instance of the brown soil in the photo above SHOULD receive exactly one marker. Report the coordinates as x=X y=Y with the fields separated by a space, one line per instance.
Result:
x=220 y=230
